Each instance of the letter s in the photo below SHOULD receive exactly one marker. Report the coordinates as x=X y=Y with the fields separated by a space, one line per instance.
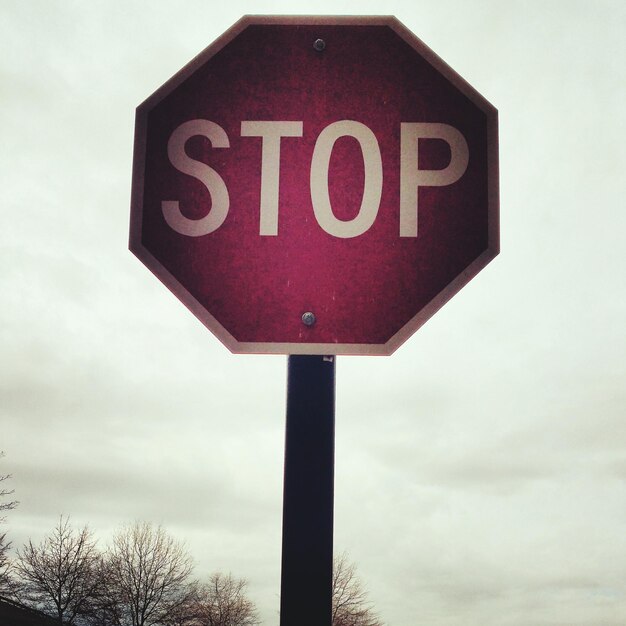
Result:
x=206 y=175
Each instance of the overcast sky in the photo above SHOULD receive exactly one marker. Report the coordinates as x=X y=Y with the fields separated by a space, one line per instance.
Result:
x=481 y=469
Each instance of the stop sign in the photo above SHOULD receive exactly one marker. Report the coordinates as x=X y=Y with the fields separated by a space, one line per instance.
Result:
x=315 y=185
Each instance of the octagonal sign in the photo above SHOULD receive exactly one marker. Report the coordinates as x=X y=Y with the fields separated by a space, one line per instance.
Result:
x=315 y=185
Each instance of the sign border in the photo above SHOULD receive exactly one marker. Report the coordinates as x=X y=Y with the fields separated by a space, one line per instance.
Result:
x=416 y=322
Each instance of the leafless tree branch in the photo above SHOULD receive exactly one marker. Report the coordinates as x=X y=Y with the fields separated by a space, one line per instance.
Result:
x=350 y=604
x=61 y=575
x=147 y=576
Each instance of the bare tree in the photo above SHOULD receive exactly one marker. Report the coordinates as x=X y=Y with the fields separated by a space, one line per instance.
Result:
x=350 y=604
x=6 y=506
x=61 y=575
x=222 y=602
x=147 y=576
x=5 y=567
x=5 y=562
x=185 y=612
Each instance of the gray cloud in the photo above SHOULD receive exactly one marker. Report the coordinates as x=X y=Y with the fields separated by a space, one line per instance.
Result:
x=480 y=470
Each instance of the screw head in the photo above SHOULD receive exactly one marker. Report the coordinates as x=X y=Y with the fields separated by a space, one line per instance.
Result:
x=319 y=44
x=308 y=319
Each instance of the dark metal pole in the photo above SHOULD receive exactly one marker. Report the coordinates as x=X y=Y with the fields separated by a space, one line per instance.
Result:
x=307 y=559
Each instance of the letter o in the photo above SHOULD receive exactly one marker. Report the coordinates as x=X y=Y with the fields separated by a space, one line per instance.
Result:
x=373 y=184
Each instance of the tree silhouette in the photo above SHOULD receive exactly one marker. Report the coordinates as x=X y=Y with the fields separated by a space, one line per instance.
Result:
x=350 y=604
x=61 y=575
x=147 y=576
x=222 y=602
x=5 y=563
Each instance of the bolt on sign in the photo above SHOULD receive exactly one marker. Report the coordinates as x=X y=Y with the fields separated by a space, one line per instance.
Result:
x=315 y=185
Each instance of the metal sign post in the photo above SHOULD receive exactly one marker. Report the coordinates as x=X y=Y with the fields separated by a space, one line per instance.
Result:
x=307 y=558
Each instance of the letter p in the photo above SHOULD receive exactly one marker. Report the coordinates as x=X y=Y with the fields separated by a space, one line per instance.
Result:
x=412 y=178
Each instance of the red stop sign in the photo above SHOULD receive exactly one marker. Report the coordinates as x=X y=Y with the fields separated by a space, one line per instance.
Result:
x=315 y=185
